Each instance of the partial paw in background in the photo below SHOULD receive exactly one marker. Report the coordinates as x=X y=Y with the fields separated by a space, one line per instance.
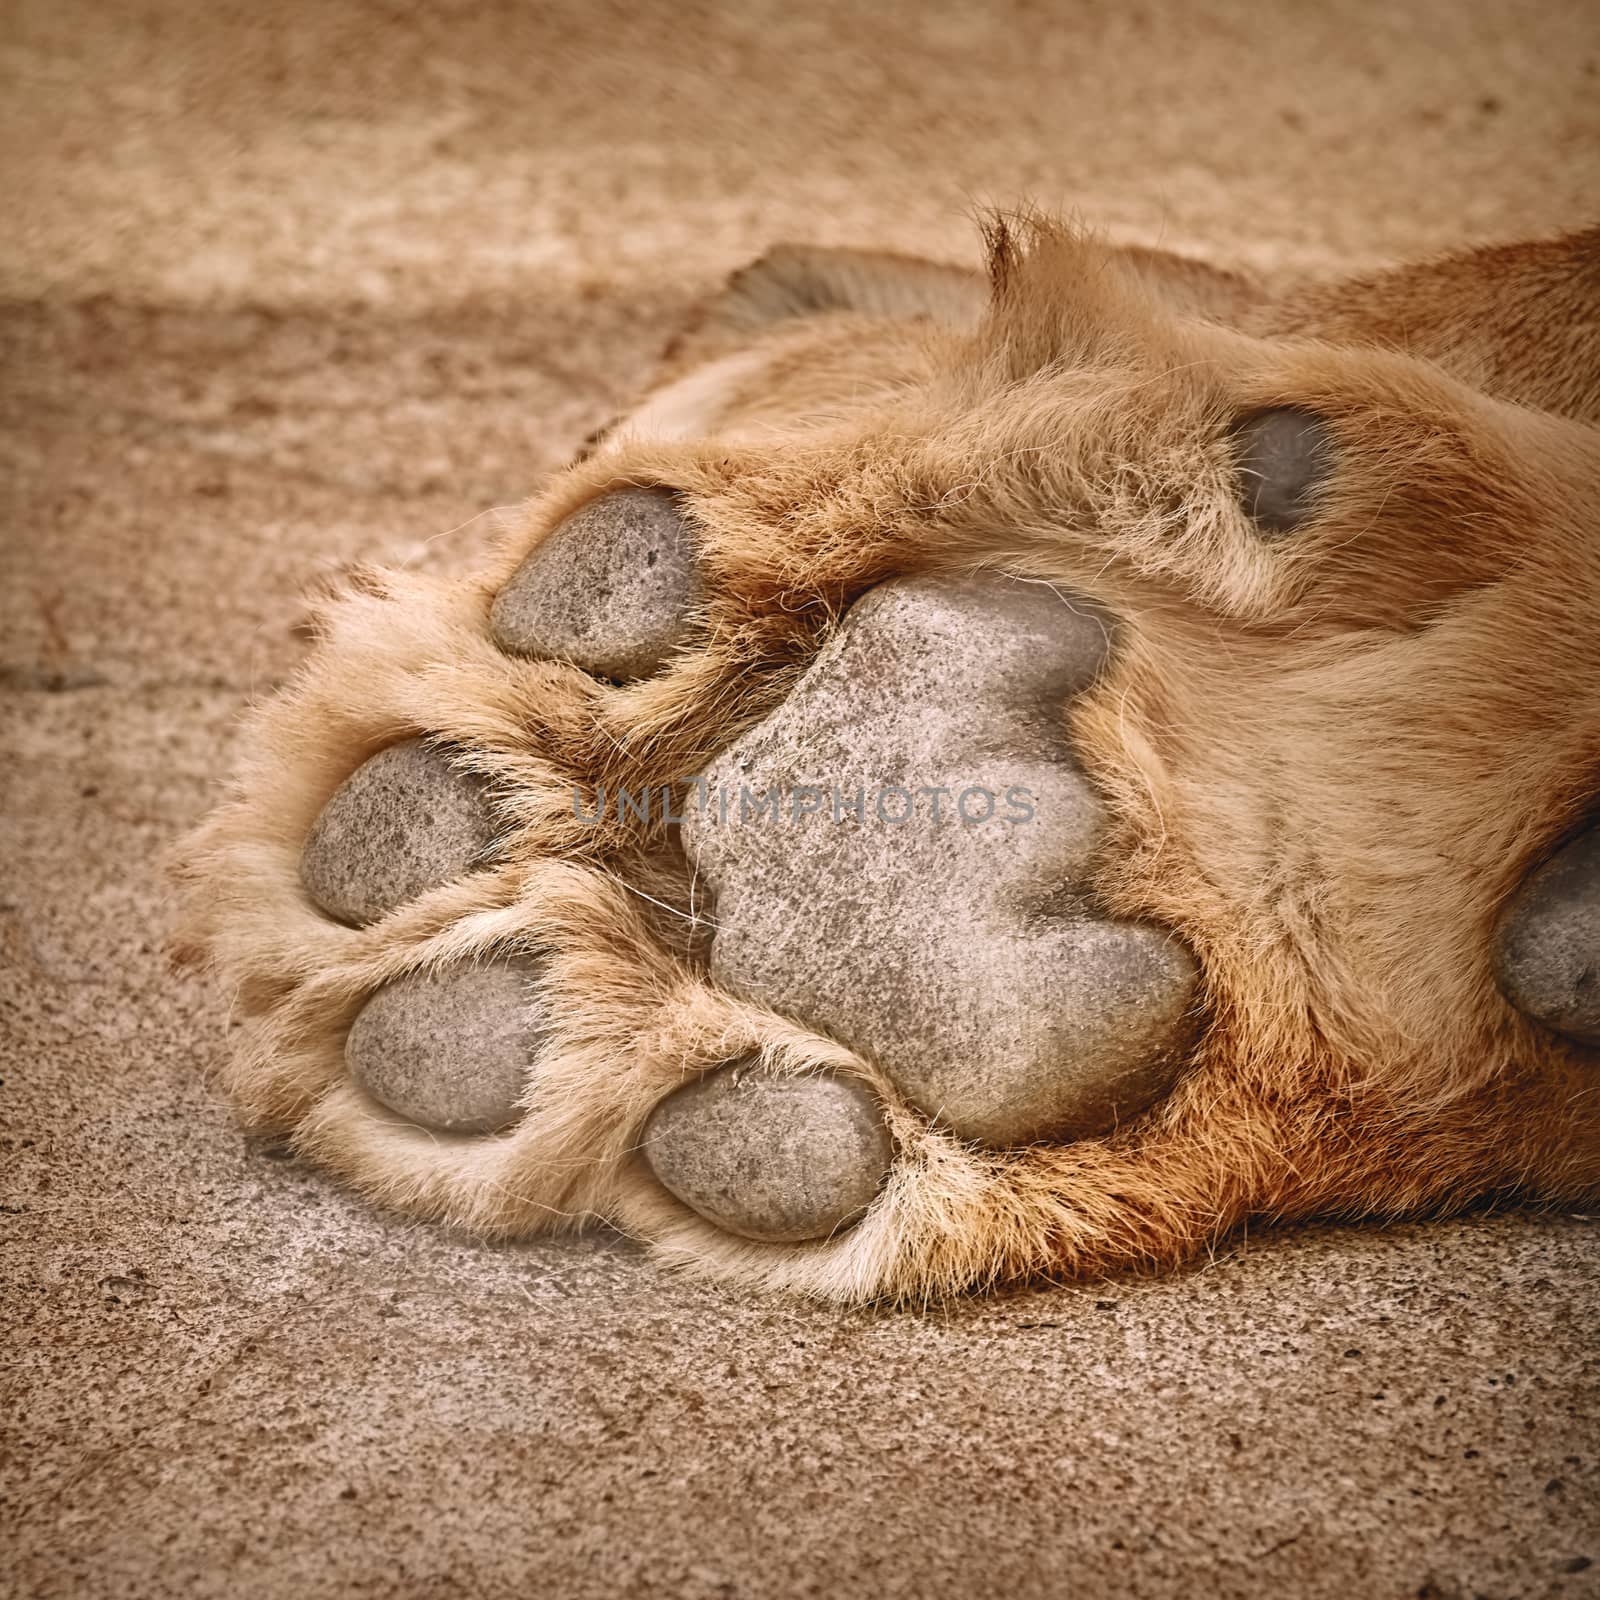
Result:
x=1547 y=948
x=875 y=845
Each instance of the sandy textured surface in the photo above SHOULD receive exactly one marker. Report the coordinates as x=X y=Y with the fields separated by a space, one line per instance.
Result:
x=287 y=286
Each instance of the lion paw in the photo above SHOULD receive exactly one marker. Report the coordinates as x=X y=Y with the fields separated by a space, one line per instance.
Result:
x=850 y=868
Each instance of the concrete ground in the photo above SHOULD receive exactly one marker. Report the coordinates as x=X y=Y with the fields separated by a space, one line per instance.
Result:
x=287 y=286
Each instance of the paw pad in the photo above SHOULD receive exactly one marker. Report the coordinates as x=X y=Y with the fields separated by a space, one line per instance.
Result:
x=1284 y=457
x=404 y=822
x=913 y=893
x=1547 y=950
x=610 y=590
x=451 y=1049
x=781 y=1159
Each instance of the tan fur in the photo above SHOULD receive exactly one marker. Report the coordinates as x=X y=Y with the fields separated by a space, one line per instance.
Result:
x=1330 y=760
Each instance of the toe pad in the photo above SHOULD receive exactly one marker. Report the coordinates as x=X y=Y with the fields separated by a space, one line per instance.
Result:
x=451 y=1049
x=770 y=1158
x=610 y=590
x=404 y=822
x=1547 y=951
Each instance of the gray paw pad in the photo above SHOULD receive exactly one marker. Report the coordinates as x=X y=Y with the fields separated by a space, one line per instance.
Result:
x=1284 y=456
x=610 y=590
x=451 y=1049
x=402 y=823
x=770 y=1158
x=951 y=945
x=1547 y=947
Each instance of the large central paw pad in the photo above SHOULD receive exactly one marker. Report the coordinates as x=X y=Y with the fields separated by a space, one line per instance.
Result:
x=899 y=858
